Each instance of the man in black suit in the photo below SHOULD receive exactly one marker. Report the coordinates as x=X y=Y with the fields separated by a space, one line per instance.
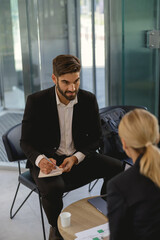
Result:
x=63 y=124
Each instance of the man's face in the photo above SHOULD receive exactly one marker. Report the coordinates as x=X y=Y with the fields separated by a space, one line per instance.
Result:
x=67 y=86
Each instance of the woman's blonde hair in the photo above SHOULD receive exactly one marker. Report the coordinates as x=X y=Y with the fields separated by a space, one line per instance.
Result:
x=140 y=130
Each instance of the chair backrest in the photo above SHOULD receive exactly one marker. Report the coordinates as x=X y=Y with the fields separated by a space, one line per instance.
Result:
x=11 y=140
x=127 y=108
x=110 y=119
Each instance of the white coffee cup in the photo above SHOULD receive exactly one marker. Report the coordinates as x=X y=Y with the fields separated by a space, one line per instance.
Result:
x=65 y=219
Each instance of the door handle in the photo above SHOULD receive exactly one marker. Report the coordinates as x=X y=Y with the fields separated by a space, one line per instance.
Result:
x=153 y=39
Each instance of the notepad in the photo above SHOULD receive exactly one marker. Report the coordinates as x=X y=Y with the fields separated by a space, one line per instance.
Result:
x=54 y=172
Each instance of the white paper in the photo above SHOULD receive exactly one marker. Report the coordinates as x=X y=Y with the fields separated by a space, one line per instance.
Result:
x=54 y=172
x=99 y=232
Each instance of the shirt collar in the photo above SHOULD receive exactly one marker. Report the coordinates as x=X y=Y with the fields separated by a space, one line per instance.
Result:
x=70 y=104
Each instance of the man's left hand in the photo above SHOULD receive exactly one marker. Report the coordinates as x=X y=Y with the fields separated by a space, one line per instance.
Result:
x=68 y=163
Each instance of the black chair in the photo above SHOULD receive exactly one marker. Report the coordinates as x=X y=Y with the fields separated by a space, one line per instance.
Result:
x=121 y=156
x=11 y=140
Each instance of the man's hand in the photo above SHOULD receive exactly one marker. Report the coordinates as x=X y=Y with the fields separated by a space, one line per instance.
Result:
x=68 y=163
x=45 y=166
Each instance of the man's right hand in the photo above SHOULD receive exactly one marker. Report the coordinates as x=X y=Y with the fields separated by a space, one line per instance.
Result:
x=45 y=166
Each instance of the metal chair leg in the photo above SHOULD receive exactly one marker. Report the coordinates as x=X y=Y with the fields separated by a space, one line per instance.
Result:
x=91 y=187
x=12 y=215
x=42 y=219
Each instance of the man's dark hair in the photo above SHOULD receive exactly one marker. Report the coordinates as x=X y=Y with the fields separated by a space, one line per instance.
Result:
x=64 y=64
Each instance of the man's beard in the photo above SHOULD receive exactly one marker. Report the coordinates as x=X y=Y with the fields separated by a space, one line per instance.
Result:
x=64 y=93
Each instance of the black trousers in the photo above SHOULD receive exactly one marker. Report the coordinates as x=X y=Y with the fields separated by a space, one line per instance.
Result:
x=52 y=188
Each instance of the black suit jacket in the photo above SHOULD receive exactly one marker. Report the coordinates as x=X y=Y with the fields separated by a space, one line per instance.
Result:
x=133 y=206
x=40 y=124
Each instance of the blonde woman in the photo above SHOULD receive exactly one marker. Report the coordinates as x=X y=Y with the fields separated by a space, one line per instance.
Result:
x=134 y=195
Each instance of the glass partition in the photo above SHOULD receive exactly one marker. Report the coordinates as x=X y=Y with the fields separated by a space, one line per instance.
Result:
x=50 y=27
x=119 y=64
x=92 y=48
x=100 y=53
x=133 y=62
x=53 y=36
x=10 y=56
x=86 y=45
x=140 y=61
x=33 y=32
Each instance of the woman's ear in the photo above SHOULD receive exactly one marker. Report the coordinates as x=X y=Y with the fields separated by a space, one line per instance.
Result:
x=131 y=153
x=126 y=148
x=123 y=144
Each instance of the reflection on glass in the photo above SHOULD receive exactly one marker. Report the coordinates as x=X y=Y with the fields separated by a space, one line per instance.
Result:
x=11 y=62
x=16 y=36
x=100 y=52
x=0 y=95
x=86 y=45
x=53 y=36
x=87 y=48
x=140 y=64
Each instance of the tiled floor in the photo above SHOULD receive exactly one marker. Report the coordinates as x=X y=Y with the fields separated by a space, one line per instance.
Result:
x=27 y=224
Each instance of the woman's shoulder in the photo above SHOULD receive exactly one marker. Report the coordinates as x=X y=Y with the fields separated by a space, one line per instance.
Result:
x=124 y=178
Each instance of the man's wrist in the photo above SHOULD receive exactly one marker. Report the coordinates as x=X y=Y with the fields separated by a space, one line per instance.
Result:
x=75 y=159
x=80 y=156
x=38 y=159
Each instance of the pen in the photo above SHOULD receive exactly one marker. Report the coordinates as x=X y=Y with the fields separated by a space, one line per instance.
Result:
x=50 y=161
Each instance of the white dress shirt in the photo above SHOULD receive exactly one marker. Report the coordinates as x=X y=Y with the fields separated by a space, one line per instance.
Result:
x=65 y=113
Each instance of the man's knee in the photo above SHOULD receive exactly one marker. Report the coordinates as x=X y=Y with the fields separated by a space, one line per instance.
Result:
x=53 y=188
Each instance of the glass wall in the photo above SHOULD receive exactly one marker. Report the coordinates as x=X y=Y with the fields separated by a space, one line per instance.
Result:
x=1 y=88
x=53 y=34
x=86 y=45
x=92 y=48
x=100 y=53
x=140 y=73
x=134 y=63
x=47 y=25
x=110 y=37
x=36 y=32
x=33 y=32
x=11 y=82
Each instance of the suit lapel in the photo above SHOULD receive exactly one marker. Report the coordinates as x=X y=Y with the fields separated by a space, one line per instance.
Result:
x=54 y=112
x=76 y=117
x=75 y=120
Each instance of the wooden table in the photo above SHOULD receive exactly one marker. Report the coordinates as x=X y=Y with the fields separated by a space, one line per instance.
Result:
x=83 y=216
